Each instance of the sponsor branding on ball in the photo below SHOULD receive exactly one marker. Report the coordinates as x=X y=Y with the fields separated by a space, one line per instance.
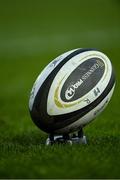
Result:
x=79 y=82
x=70 y=92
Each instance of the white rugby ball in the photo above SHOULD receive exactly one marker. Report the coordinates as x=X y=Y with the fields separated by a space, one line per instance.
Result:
x=71 y=91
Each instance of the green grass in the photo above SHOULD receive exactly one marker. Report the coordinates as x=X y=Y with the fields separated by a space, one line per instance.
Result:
x=32 y=33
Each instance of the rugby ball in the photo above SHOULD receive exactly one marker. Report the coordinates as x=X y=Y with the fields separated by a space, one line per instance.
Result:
x=71 y=91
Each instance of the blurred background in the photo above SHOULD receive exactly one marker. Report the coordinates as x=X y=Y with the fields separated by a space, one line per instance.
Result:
x=32 y=33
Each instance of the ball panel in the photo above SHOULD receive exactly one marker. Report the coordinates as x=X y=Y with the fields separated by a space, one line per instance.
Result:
x=90 y=116
x=44 y=74
x=55 y=104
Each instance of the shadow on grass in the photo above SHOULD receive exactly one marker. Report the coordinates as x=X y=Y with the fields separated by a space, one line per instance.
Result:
x=29 y=139
x=35 y=141
x=36 y=138
x=23 y=143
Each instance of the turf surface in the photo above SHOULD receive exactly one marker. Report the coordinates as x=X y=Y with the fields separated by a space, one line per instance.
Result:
x=32 y=33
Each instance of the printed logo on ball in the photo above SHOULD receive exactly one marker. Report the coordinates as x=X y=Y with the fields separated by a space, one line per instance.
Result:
x=82 y=80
